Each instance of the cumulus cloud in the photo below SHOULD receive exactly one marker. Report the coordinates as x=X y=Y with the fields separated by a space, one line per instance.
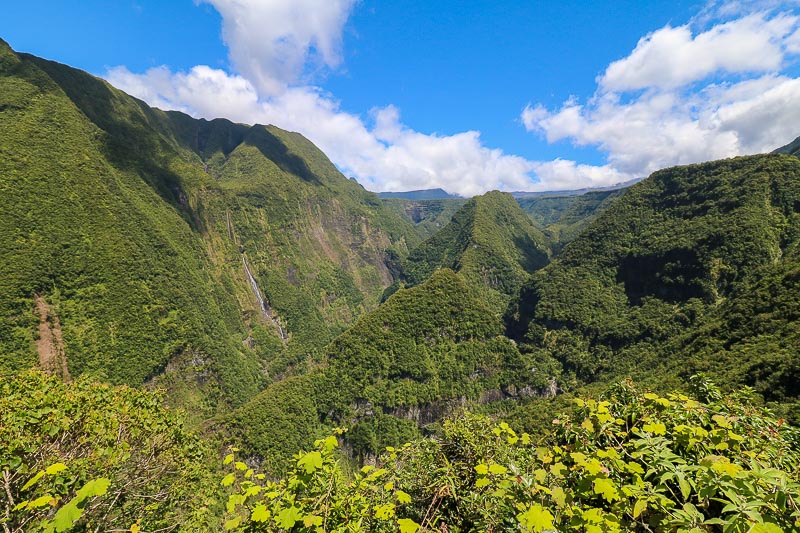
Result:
x=276 y=46
x=384 y=156
x=273 y=42
x=684 y=96
x=672 y=57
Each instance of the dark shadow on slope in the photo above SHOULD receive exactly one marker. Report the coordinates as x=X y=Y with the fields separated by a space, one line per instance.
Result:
x=274 y=149
x=674 y=276
x=135 y=134
x=533 y=258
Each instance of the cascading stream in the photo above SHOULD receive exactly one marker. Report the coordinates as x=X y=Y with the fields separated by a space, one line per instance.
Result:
x=261 y=302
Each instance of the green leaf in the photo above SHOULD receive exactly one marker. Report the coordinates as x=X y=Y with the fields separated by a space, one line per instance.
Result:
x=686 y=489
x=33 y=480
x=559 y=496
x=228 y=459
x=497 y=469
x=55 y=469
x=42 y=501
x=67 y=516
x=407 y=525
x=310 y=462
x=287 y=518
x=228 y=480
x=403 y=497
x=92 y=488
x=639 y=507
x=312 y=520
x=233 y=523
x=605 y=488
x=260 y=513
x=536 y=518
x=655 y=428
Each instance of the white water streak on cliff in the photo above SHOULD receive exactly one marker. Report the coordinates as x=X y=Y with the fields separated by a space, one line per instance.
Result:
x=261 y=302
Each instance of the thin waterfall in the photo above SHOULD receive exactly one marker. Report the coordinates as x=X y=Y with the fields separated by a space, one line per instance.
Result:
x=261 y=302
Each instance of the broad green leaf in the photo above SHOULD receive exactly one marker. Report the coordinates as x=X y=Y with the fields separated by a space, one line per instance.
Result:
x=228 y=459
x=92 y=488
x=233 y=523
x=407 y=525
x=686 y=489
x=260 y=513
x=605 y=488
x=312 y=520
x=228 y=480
x=497 y=469
x=42 y=501
x=403 y=497
x=536 y=518
x=287 y=518
x=55 y=469
x=559 y=496
x=310 y=462
x=32 y=481
x=656 y=428
x=482 y=469
x=66 y=517
x=639 y=507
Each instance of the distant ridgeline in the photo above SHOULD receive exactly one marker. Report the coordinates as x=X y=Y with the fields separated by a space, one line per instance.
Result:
x=275 y=299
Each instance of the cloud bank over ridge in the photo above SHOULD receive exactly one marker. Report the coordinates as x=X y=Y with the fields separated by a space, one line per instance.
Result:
x=715 y=87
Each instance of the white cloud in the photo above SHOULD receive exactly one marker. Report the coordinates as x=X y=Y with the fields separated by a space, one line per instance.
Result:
x=672 y=57
x=388 y=156
x=273 y=42
x=680 y=98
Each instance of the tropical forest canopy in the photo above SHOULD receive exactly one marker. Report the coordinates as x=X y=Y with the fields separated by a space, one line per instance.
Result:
x=204 y=325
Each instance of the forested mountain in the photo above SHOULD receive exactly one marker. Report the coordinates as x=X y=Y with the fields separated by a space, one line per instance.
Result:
x=685 y=272
x=276 y=300
x=156 y=248
x=562 y=217
x=489 y=240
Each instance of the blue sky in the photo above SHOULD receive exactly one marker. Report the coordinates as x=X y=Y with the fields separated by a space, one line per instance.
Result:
x=469 y=95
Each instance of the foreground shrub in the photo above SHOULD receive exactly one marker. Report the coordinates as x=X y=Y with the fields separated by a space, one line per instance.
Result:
x=94 y=457
x=629 y=461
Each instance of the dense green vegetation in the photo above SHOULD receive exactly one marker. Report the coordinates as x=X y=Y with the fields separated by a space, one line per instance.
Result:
x=691 y=269
x=489 y=240
x=428 y=216
x=133 y=227
x=100 y=233
x=427 y=352
x=562 y=217
x=626 y=462
x=276 y=300
x=87 y=457
x=102 y=457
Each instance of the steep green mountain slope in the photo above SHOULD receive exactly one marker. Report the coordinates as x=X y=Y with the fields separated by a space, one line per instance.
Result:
x=426 y=352
x=490 y=241
x=793 y=148
x=100 y=237
x=319 y=246
x=706 y=251
x=428 y=216
x=425 y=194
x=562 y=218
x=150 y=247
